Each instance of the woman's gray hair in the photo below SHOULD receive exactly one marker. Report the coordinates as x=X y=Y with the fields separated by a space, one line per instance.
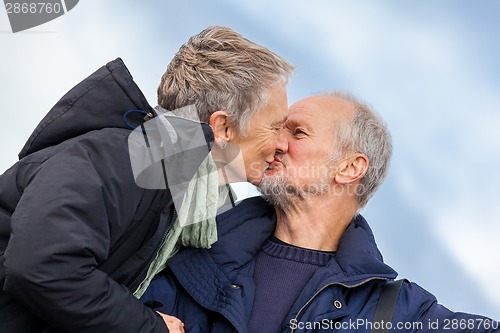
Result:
x=219 y=69
x=365 y=133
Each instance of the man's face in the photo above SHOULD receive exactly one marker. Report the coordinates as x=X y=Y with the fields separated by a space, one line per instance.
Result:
x=265 y=135
x=307 y=168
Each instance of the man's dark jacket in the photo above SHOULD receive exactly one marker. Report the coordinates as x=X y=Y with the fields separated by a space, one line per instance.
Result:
x=212 y=290
x=76 y=232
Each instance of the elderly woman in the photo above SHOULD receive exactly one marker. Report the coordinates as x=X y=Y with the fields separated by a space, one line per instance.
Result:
x=93 y=210
x=220 y=78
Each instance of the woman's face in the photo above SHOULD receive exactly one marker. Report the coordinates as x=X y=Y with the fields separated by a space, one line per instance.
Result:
x=265 y=136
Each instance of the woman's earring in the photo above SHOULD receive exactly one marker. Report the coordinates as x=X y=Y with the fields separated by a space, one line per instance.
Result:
x=223 y=145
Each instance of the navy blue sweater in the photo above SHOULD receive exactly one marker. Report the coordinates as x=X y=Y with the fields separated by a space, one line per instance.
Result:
x=281 y=273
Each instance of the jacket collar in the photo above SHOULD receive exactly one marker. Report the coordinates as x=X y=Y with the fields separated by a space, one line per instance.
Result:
x=358 y=258
x=243 y=230
x=357 y=261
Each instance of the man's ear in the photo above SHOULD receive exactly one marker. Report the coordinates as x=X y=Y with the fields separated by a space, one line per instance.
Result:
x=352 y=168
x=222 y=127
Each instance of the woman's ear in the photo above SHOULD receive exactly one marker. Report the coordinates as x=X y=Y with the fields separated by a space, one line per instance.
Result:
x=352 y=168
x=219 y=121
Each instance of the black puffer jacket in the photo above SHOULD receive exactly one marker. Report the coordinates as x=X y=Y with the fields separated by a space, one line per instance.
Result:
x=76 y=232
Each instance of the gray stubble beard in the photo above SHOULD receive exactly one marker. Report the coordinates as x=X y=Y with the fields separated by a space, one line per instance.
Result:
x=278 y=191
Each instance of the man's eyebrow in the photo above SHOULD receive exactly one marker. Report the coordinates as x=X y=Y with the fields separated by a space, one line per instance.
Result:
x=295 y=123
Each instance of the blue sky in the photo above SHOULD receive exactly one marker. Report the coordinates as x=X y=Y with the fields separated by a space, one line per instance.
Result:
x=429 y=68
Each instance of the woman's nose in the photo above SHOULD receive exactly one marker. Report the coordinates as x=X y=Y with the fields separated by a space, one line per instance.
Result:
x=282 y=142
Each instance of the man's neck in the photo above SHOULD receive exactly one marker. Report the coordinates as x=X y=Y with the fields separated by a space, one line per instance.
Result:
x=315 y=223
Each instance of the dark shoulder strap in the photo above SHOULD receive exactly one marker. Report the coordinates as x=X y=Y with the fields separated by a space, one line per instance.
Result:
x=386 y=304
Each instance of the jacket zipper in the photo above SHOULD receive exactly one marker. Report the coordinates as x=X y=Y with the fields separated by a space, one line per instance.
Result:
x=153 y=256
x=328 y=285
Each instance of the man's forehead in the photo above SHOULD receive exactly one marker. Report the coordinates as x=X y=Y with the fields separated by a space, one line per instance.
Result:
x=321 y=106
x=305 y=103
x=305 y=115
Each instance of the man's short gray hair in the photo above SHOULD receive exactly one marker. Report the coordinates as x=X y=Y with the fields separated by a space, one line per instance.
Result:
x=365 y=133
x=219 y=69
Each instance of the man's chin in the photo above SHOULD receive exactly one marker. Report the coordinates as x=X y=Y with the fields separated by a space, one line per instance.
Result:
x=274 y=171
x=271 y=178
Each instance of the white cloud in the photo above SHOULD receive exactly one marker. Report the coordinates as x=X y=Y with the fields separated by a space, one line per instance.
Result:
x=472 y=233
x=416 y=68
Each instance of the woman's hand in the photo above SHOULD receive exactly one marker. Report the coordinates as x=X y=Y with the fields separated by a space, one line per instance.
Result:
x=174 y=324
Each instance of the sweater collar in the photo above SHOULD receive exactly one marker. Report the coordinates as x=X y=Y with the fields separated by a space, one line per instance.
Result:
x=281 y=250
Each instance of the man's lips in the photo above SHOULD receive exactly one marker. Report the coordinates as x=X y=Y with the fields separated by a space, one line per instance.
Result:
x=277 y=161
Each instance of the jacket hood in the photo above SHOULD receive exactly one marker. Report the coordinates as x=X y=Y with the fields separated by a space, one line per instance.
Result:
x=99 y=101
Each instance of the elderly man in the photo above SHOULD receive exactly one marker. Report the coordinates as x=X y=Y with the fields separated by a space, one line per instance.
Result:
x=318 y=268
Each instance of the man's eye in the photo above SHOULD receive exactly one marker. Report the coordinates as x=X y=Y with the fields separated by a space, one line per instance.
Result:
x=298 y=132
